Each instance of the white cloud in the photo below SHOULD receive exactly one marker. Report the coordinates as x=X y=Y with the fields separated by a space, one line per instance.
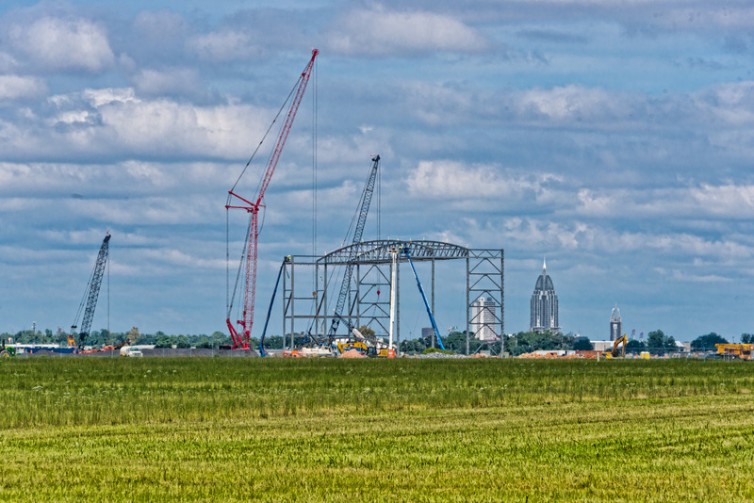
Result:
x=456 y=180
x=569 y=103
x=64 y=44
x=730 y=103
x=117 y=122
x=537 y=234
x=158 y=82
x=381 y=32
x=729 y=200
x=15 y=86
x=223 y=46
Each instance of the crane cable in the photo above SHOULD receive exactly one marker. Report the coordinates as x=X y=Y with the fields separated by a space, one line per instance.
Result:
x=228 y=298
x=277 y=116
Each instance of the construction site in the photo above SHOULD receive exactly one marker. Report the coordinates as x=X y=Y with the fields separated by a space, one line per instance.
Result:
x=328 y=300
x=345 y=302
x=348 y=301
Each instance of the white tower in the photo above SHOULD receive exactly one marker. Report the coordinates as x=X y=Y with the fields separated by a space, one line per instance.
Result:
x=616 y=324
x=483 y=319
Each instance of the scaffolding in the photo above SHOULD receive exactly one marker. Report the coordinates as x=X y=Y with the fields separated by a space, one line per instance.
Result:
x=308 y=286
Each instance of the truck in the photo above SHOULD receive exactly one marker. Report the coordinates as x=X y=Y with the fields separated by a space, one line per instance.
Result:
x=131 y=352
x=735 y=351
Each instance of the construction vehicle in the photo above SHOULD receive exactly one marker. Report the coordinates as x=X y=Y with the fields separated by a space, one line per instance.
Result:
x=347 y=345
x=618 y=349
x=735 y=351
x=363 y=342
x=126 y=348
x=6 y=351
x=407 y=252
x=364 y=203
x=248 y=263
x=131 y=352
x=91 y=295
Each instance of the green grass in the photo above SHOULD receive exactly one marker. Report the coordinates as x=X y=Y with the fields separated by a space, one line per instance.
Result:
x=376 y=430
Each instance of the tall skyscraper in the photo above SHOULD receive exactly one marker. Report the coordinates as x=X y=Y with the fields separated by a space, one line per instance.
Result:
x=616 y=324
x=544 y=305
x=483 y=319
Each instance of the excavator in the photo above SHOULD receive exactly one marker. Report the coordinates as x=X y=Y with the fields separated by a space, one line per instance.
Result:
x=619 y=348
x=364 y=343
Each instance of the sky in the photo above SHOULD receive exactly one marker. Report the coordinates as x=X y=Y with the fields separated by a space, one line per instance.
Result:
x=612 y=137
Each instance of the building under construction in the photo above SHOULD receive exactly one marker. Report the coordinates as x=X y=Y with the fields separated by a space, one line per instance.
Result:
x=308 y=288
x=368 y=292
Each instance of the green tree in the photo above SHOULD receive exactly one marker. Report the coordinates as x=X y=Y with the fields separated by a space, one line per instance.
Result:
x=707 y=342
x=273 y=342
x=525 y=342
x=163 y=341
x=656 y=342
x=412 y=346
x=670 y=345
x=747 y=338
x=635 y=346
x=659 y=343
x=582 y=343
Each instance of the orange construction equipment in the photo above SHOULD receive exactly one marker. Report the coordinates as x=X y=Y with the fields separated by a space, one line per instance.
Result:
x=736 y=351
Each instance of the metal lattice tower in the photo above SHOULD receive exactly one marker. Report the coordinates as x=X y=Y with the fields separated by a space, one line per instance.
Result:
x=303 y=303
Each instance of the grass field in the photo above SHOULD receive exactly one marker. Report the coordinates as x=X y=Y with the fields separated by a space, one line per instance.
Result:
x=366 y=430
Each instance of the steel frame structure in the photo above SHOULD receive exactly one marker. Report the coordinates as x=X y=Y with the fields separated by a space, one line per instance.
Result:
x=372 y=262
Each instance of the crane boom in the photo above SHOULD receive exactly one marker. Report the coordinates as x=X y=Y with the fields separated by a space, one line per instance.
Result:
x=407 y=253
x=92 y=292
x=241 y=340
x=365 y=201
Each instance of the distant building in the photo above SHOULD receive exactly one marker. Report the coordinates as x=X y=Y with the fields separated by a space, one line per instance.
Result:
x=428 y=333
x=483 y=319
x=616 y=324
x=544 y=305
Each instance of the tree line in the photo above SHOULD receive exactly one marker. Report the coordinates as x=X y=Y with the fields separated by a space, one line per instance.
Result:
x=103 y=337
x=657 y=342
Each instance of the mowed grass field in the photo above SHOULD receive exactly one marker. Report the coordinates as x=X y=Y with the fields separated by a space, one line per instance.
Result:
x=86 y=429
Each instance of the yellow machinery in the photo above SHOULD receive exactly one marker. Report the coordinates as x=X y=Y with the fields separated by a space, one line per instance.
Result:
x=619 y=348
x=739 y=351
x=344 y=346
x=365 y=348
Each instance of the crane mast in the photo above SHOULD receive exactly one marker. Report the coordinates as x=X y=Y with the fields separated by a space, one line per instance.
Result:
x=366 y=200
x=92 y=292
x=241 y=340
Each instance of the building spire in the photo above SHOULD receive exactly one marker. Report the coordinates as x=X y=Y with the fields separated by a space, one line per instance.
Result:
x=544 y=266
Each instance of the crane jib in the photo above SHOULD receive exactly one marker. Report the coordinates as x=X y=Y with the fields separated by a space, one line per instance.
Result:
x=242 y=340
x=93 y=289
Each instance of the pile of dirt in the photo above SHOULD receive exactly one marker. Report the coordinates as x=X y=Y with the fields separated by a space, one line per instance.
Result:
x=353 y=353
x=553 y=355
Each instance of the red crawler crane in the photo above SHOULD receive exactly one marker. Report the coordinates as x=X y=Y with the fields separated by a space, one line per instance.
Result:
x=241 y=340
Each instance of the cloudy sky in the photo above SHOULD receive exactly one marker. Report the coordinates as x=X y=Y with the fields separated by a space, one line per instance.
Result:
x=613 y=137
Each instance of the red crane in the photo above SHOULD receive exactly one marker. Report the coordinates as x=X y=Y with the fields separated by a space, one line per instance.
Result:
x=241 y=340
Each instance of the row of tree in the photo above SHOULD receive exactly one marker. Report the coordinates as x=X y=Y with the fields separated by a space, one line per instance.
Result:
x=100 y=338
x=657 y=342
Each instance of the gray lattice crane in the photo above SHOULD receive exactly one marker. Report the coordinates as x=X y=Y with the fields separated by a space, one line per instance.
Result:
x=364 y=202
x=91 y=294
